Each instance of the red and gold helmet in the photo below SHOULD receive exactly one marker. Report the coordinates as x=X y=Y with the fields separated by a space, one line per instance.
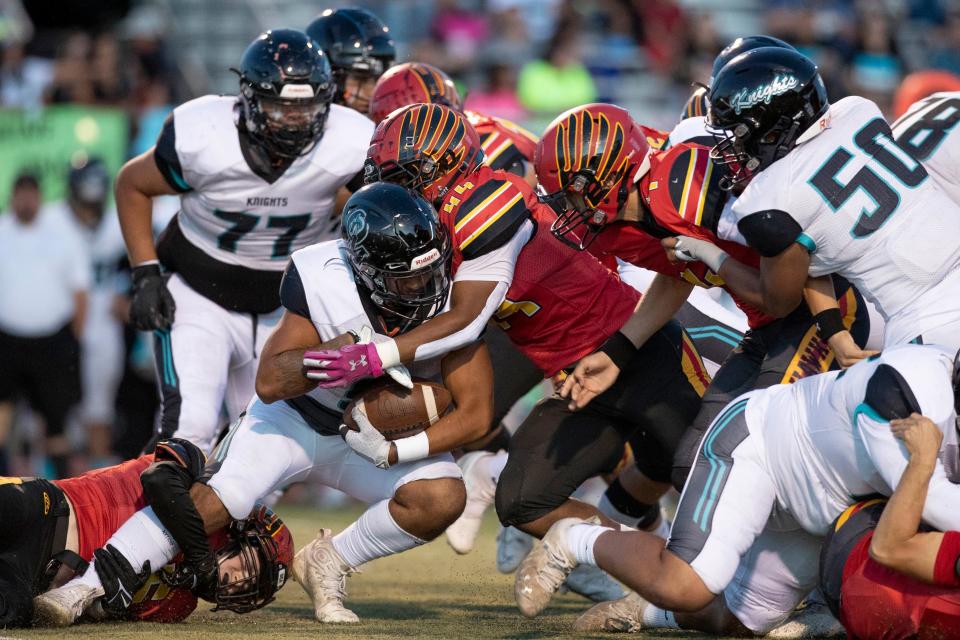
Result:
x=424 y=147
x=586 y=161
x=412 y=83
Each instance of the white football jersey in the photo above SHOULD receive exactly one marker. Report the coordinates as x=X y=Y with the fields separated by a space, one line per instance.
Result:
x=334 y=308
x=694 y=130
x=928 y=131
x=238 y=217
x=828 y=442
x=866 y=210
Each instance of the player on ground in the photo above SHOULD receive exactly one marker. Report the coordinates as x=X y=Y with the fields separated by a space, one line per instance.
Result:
x=505 y=145
x=53 y=530
x=884 y=579
x=257 y=175
x=389 y=273
x=858 y=204
x=927 y=127
x=360 y=49
x=774 y=470
x=618 y=199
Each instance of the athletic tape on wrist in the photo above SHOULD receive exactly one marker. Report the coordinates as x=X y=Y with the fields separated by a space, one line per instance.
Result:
x=829 y=323
x=412 y=448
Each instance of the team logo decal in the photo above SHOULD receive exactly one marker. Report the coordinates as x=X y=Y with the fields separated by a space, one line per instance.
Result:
x=746 y=98
x=356 y=226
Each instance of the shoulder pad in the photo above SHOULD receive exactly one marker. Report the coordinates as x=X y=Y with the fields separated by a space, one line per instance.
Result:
x=692 y=181
x=770 y=232
x=889 y=394
x=293 y=297
x=486 y=214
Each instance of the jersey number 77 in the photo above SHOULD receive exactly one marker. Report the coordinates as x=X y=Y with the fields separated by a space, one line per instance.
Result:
x=876 y=141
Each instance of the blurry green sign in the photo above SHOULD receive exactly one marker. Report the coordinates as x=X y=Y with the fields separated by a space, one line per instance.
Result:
x=44 y=142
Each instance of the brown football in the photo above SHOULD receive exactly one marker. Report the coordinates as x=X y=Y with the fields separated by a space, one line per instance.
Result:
x=398 y=412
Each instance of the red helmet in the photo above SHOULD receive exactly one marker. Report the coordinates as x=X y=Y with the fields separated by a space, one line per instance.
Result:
x=410 y=83
x=259 y=551
x=586 y=161
x=424 y=147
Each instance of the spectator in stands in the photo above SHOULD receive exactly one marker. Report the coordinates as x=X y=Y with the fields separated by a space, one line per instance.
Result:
x=24 y=80
x=558 y=81
x=44 y=277
x=460 y=32
x=945 y=52
x=71 y=81
x=875 y=68
x=498 y=97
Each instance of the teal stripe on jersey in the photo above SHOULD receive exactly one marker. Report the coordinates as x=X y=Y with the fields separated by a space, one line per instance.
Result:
x=718 y=468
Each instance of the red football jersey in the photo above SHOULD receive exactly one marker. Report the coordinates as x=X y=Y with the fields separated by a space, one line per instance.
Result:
x=562 y=303
x=505 y=144
x=104 y=499
x=878 y=603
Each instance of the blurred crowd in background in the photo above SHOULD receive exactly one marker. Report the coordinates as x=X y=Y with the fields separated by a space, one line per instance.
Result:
x=99 y=77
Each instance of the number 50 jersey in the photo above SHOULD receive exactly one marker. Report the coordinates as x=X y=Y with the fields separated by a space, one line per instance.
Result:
x=865 y=209
x=236 y=228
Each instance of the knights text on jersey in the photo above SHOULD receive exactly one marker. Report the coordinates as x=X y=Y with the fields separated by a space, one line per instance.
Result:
x=238 y=217
x=319 y=285
x=562 y=304
x=928 y=130
x=506 y=145
x=863 y=207
x=483 y=211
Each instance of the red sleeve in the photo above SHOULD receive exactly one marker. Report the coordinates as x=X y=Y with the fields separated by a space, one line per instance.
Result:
x=945 y=568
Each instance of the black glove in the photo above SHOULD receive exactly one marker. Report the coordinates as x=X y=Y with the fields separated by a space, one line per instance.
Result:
x=200 y=578
x=120 y=581
x=152 y=306
x=181 y=452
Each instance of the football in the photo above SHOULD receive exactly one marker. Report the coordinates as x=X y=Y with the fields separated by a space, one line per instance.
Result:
x=398 y=412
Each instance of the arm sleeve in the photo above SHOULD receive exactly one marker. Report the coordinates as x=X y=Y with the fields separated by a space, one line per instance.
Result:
x=498 y=264
x=293 y=297
x=355 y=182
x=167 y=159
x=468 y=334
x=772 y=232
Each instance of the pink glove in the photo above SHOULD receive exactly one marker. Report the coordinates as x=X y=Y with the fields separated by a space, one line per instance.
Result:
x=342 y=367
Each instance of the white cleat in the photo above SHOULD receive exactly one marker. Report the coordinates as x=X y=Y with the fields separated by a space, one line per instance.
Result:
x=546 y=568
x=322 y=573
x=813 y=620
x=481 y=489
x=63 y=606
x=593 y=583
x=513 y=546
x=617 y=616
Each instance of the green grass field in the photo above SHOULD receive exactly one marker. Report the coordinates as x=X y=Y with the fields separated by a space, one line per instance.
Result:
x=426 y=593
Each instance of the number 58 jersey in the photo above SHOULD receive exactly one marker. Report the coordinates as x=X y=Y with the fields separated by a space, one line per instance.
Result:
x=928 y=130
x=865 y=209
x=241 y=218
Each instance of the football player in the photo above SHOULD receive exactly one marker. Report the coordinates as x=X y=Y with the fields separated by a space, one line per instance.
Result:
x=505 y=145
x=853 y=200
x=360 y=49
x=561 y=304
x=257 y=175
x=620 y=205
x=883 y=578
x=390 y=273
x=927 y=127
x=50 y=531
x=775 y=469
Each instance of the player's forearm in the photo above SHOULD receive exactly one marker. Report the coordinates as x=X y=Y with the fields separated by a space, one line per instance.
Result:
x=473 y=303
x=657 y=306
x=820 y=295
x=282 y=376
x=453 y=430
x=901 y=518
x=744 y=281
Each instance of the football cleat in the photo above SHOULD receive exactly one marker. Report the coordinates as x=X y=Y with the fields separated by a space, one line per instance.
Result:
x=63 y=606
x=513 y=546
x=481 y=488
x=322 y=573
x=812 y=620
x=546 y=568
x=593 y=583
x=618 y=616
